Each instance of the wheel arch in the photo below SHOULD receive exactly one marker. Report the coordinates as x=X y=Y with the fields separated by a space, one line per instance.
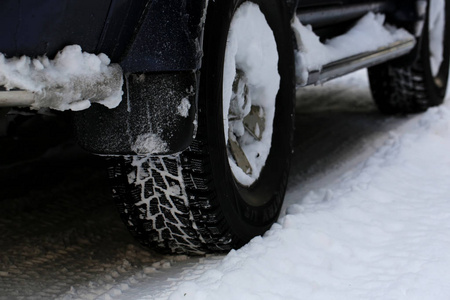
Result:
x=168 y=37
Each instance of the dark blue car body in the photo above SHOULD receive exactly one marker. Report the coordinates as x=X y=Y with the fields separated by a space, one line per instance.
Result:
x=159 y=38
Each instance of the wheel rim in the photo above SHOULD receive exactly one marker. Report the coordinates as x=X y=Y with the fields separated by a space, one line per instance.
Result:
x=436 y=32
x=250 y=86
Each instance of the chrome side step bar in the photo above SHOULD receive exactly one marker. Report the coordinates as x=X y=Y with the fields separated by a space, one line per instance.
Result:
x=328 y=71
x=359 y=61
x=16 y=98
x=319 y=17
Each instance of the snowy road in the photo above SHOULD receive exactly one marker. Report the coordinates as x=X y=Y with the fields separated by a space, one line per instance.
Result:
x=367 y=216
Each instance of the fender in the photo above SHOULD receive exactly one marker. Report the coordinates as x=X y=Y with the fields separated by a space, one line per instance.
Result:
x=160 y=65
x=168 y=38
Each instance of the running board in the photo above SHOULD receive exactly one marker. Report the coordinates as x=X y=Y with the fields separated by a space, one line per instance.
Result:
x=360 y=61
x=16 y=98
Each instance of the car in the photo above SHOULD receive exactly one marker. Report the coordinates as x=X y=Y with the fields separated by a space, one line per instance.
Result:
x=192 y=102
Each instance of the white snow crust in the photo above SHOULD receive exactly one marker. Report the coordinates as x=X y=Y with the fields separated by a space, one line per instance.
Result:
x=368 y=34
x=70 y=81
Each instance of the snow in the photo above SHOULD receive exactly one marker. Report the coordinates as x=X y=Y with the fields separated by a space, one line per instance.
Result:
x=436 y=22
x=70 y=81
x=313 y=54
x=149 y=143
x=377 y=230
x=251 y=48
x=183 y=108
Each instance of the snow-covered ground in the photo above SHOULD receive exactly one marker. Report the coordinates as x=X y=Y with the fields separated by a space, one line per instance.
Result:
x=376 y=226
x=367 y=216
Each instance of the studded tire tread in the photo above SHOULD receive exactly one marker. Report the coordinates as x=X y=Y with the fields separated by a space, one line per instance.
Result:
x=404 y=92
x=173 y=214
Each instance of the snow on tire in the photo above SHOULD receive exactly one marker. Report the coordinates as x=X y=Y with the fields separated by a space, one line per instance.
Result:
x=421 y=84
x=205 y=199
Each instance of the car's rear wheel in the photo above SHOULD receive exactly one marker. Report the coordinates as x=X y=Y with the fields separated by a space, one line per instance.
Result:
x=228 y=186
x=423 y=83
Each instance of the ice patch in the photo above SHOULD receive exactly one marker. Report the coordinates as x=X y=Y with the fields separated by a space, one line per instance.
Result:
x=71 y=81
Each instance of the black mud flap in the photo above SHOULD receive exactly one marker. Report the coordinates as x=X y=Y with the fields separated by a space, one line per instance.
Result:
x=156 y=116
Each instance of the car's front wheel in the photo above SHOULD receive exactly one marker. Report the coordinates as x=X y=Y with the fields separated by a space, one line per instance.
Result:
x=228 y=186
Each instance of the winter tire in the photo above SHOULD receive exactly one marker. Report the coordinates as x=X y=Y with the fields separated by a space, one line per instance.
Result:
x=422 y=84
x=228 y=186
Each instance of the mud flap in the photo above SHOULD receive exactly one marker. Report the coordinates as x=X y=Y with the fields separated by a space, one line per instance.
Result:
x=156 y=116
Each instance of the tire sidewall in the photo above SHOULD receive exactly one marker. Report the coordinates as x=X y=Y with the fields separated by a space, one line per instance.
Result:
x=247 y=220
